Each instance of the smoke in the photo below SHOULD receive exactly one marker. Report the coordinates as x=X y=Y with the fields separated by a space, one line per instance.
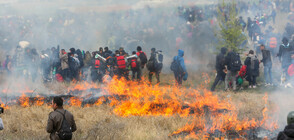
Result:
x=282 y=99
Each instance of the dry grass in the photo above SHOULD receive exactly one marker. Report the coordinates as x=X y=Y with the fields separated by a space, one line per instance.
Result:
x=99 y=122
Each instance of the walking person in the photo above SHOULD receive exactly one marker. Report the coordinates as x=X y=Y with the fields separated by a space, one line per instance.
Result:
x=220 y=68
x=179 y=68
x=61 y=122
x=154 y=66
x=285 y=58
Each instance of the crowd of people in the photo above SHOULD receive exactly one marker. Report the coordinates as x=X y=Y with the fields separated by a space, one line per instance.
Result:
x=77 y=65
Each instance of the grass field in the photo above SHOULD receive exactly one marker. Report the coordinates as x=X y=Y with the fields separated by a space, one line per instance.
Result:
x=102 y=122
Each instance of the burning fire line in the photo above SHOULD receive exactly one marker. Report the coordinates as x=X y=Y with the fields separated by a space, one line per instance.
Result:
x=211 y=115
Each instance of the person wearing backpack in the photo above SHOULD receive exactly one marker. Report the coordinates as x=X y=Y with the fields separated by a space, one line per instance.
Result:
x=60 y=122
x=142 y=55
x=74 y=65
x=252 y=64
x=121 y=65
x=267 y=64
x=135 y=64
x=179 y=68
x=153 y=66
x=220 y=68
x=233 y=63
x=97 y=69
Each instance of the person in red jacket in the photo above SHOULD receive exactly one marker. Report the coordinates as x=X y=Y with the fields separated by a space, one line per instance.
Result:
x=121 y=65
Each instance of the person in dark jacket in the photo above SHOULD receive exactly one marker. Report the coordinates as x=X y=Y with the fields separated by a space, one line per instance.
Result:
x=220 y=67
x=107 y=52
x=285 y=56
x=135 y=64
x=288 y=133
x=55 y=118
x=180 y=76
x=97 y=69
x=267 y=64
x=231 y=74
x=152 y=66
x=252 y=64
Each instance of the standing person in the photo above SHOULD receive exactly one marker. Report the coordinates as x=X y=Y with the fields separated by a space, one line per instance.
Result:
x=135 y=64
x=97 y=69
x=252 y=64
x=220 y=67
x=179 y=68
x=273 y=15
x=87 y=64
x=152 y=66
x=34 y=64
x=64 y=65
x=121 y=65
x=233 y=62
x=1 y=122
x=74 y=65
x=8 y=64
x=267 y=63
x=45 y=64
x=288 y=134
x=60 y=121
x=285 y=57
x=142 y=55
x=107 y=52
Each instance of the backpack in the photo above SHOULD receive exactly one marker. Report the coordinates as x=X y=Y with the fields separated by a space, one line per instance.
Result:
x=65 y=132
x=254 y=63
x=134 y=63
x=243 y=71
x=176 y=66
x=291 y=70
x=143 y=58
x=273 y=42
x=160 y=57
x=121 y=62
x=97 y=64
x=235 y=62
x=76 y=63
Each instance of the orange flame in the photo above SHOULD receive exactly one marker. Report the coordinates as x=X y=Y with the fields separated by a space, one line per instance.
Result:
x=24 y=100
x=75 y=101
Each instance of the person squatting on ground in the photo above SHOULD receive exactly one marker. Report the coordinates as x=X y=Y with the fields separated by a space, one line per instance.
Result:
x=220 y=68
x=288 y=132
x=252 y=64
x=179 y=68
x=233 y=63
x=61 y=122
x=267 y=64
x=154 y=65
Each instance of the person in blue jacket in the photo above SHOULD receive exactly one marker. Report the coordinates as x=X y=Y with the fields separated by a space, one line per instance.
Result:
x=183 y=74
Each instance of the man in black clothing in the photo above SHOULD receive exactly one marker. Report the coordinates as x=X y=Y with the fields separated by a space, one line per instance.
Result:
x=267 y=63
x=285 y=55
x=288 y=133
x=152 y=66
x=220 y=67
